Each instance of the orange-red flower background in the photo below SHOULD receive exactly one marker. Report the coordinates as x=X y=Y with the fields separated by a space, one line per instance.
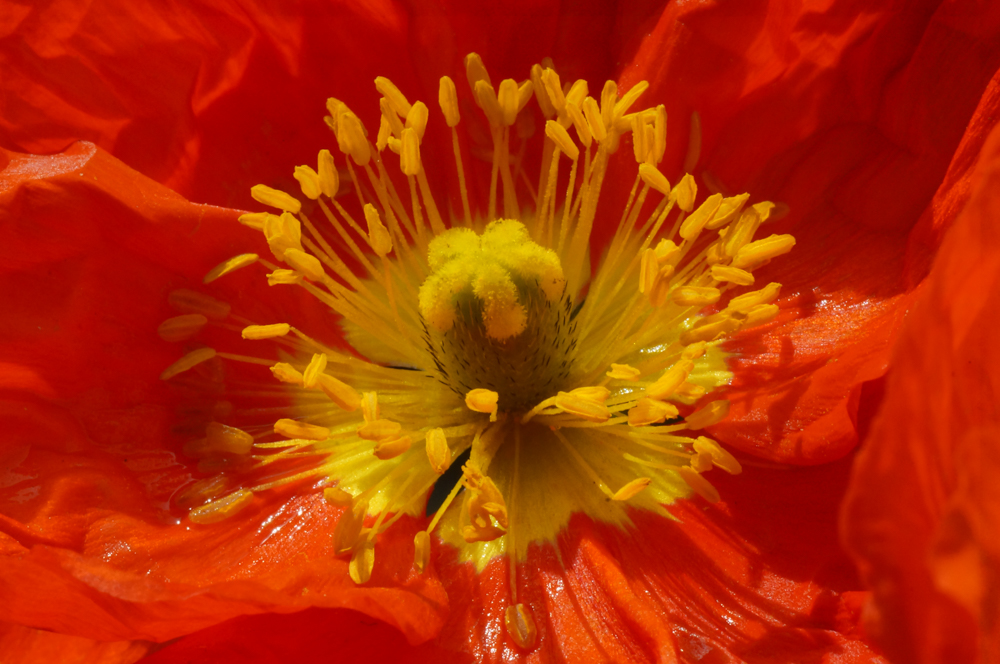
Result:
x=867 y=120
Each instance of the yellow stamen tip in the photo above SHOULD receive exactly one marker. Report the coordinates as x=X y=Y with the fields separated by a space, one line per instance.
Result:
x=265 y=331
x=189 y=361
x=378 y=236
x=438 y=452
x=222 y=508
x=234 y=263
x=483 y=401
x=275 y=198
x=520 y=626
x=421 y=550
x=632 y=489
x=181 y=328
x=308 y=181
x=448 y=99
x=293 y=429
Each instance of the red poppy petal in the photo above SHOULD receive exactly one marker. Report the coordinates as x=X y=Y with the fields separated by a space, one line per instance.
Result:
x=25 y=645
x=846 y=122
x=759 y=577
x=921 y=516
x=88 y=462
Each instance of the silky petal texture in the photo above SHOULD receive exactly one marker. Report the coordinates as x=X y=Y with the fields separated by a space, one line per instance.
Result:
x=792 y=141
x=854 y=123
x=759 y=578
x=922 y=515
x=23 y=645
x=214 y=97
x=88 y=458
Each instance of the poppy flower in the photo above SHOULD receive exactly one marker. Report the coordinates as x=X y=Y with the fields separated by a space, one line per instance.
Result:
x=92 y=555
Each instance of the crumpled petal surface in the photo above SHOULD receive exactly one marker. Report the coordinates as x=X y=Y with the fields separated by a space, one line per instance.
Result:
x=922 y=514
x=89 y=456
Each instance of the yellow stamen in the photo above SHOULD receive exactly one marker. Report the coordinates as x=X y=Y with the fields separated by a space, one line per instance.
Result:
x=222 y=508
x=265 y=331
x=181 y=328
x=292 y=429
x=189 y=361
x=483 y=401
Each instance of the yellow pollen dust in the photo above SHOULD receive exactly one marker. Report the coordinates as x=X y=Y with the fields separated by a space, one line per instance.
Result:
x=481 y=339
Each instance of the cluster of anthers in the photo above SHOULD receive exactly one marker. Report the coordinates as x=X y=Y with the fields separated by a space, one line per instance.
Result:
x=482 y=342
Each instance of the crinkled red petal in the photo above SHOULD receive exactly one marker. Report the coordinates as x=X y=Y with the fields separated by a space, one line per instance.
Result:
x=922 y=515
x=90 y=457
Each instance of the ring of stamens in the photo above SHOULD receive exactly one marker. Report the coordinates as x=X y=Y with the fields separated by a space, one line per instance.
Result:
x=477 y=334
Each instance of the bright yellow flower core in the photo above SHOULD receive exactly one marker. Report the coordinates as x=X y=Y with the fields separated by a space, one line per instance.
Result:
x=487 y=335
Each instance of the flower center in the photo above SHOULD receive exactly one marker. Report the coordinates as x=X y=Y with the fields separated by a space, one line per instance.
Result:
x=497 y=314
x=474 y=337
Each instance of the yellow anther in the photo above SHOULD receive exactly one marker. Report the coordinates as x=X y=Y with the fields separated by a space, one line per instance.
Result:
x=409 y=152
x=362 y=562
x=306 y=264
x=349 y=525
x=642 y=139
x=222 y=508
x=667 y=253
x=689 y=392
x=580 y=124
x=762 y=250
x=421 y=550
x=487 y=100
x=577 y=93
x=391 y=448
x=695 y=296
x=189 y=361
x=764 y=209
x=541 y=93
x=389 y=120
x=317 y=365
x=483 y=401
x=621 y=108
x=279 y=277
x=649 y=269
x=660 y=290
x=710 y=329
x=582 y=406
x=720 y=457
x=275 y=198
x=708 y=415
x=369 y=406
x=181 y=328
x=660 y=136
x=475 y=70
x=234 y=263
x=699 y=484
x=672 y=378
x=438 y=452
x=448 y=100
x=202 y=490
x=389 y=90
x=732 y=275
x=293 y=429
x=520 y=626
x=378 y=235
x=748 y=301
x=593 y=114
x=384 y=135
x=553 y=88
x=329 y=178
x=685 y=193
x=340 y=393
x=282 y=233
x=609 y=98
x=227 y=440
x=286 y=373
x=760 y=314
x=337 y=496
x=728 y=209
x=742 y=232
x=694 y=351
x=254 y=220
x=484 y=504
x=416 y=119
x=524 y=94
x=508 y=98
x=654 y=178
x=650 y=411
x=265 y=331
x=561 y=138
x=697 y=220
x=379 y=430
x=352 y=140
x=623 y=372
x=632 y=489
x=308 y=181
